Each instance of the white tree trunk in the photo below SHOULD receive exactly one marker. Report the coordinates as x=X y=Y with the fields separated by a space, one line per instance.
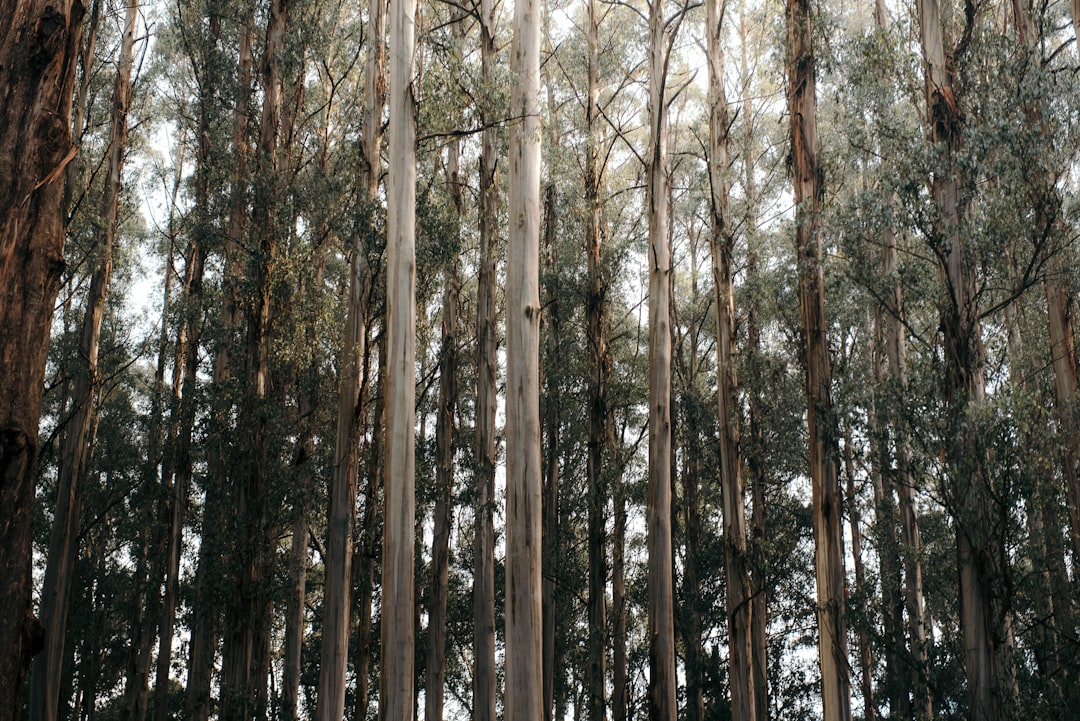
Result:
x=396 y=691
x=524 y=670
x=662 y=681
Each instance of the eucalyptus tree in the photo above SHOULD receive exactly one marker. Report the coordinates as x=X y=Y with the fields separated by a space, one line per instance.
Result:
x=736 y=562
x=821 y=423
x=351 y=411
x=985 y=616
x=524 y=675
x=484 y=674
x=77 y=436
x=398 y=633
x=662 y=680
x=35 y=146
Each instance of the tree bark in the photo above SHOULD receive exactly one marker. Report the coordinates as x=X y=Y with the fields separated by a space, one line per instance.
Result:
x=396 y=689
x=245 y=655
x=484 y=677
x=618 y=603
x=754 y=450
x=523 y=699
x=985 y=618
x=370 y=148
x=177 y=474
x=821 y=426
x=444 y=466
x=661 y=606
x=75 y=446
x=211 y=568
x=551 y=322
x=600 y=368
x=736 y=562
x=866 y=662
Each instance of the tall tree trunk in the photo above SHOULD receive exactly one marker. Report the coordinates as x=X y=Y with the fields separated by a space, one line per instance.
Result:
x=294 y=618
x=444 y=466
x=396 y=689
x=208 y=576
x=177 y=474
x=75 y=446
x=368 y=547
x=736 y=561
x=1063 y=356
x=910 y=534
x=600 y=366
x=662 y=681
x=866 y=663
x=754 y=455
x=619 y=671
x=523 y=473
x=245 y=663
x=984 y=610
x=554 y=682
x=484 y=677
x=821 y=426
x=371 y=149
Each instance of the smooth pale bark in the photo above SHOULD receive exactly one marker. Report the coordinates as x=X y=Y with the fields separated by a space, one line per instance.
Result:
x=524 y=673
x=75 y=446
x=484 y=676
x=396 y=688
x=985 y=617
x=736 y=562
x=599 y=369
x=821 y=426
x=661 y=605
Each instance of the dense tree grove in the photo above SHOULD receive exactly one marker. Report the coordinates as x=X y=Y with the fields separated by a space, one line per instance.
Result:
x=621 y=361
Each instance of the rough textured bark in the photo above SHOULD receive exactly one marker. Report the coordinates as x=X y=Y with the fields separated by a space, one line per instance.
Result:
x=821 y=425
x=484 y=677
x=396 y=688
x=661 y=630
x=985 y=617
x=523 y=699
x=75 y=445
x=736 y=562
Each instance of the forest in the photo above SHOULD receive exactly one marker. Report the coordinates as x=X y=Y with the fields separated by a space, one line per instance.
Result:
x=576 y=360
